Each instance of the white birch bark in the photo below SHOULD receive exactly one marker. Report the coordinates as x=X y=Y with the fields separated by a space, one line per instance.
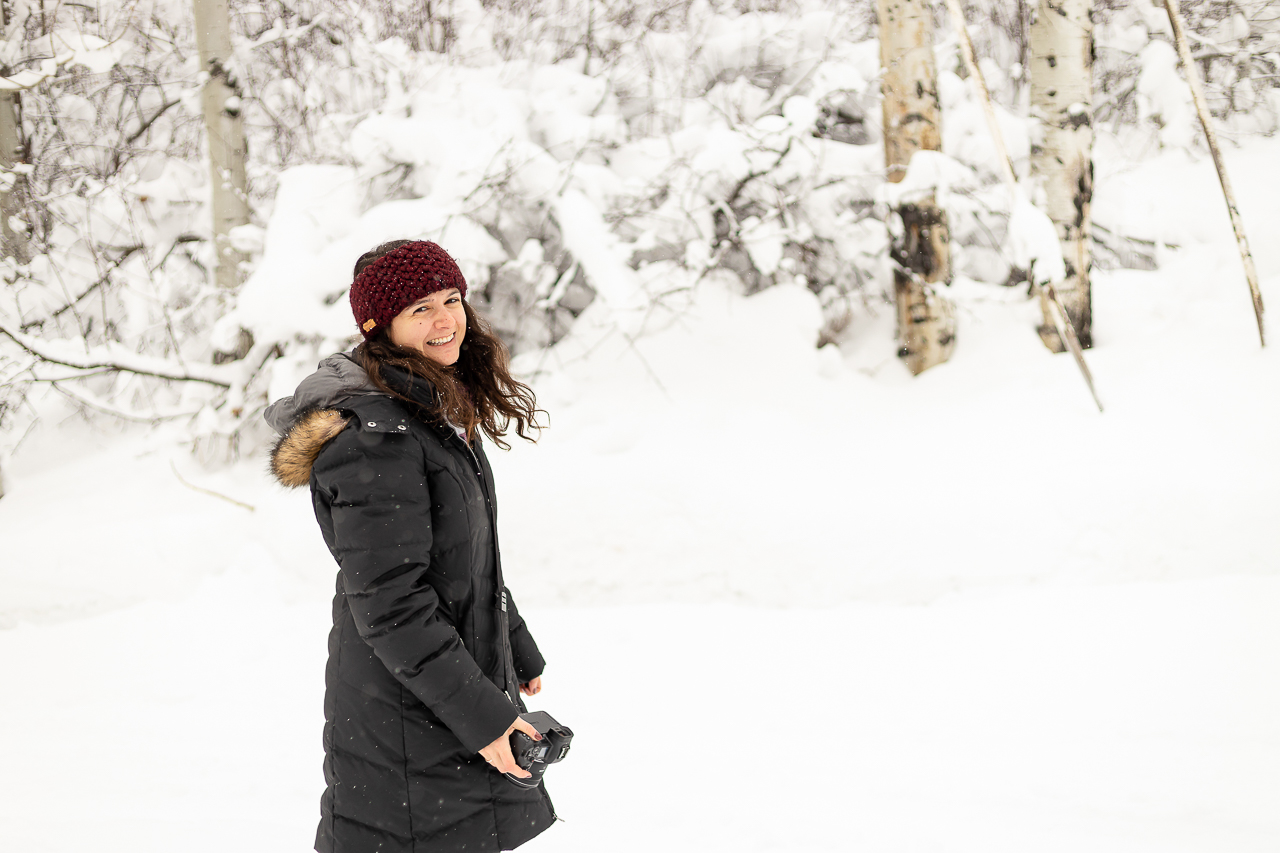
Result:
x=1062 y=165
x=1049 y=295
x=912 y=122
x=225 y=134
x=14 y=242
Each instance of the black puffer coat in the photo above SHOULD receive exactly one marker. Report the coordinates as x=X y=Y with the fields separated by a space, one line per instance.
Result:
x=419 y=678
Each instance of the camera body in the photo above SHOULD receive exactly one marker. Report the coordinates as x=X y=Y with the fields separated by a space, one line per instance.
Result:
x=536 y=755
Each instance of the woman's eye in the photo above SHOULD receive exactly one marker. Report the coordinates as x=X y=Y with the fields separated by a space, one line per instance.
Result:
x=452 y=300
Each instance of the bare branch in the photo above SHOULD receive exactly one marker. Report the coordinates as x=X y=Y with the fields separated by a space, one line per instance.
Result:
x=209 y=492
x=90 y=401
x=106 y=276
x=1202 y=107
x=146 y=125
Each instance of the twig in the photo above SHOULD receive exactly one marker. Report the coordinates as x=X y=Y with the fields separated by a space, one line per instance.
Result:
x=128 y=252
x=751 y=176
x=1067 y=332
x=107 y=409
x=33 y=377
x=984 y=94
x=1197 y=94
x=164 y=108
x=209 y=492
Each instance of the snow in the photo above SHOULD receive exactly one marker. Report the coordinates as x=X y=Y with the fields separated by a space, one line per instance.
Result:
x=1033 y=241
x=1123 y=718
x=793 y=599
x=1164 y=96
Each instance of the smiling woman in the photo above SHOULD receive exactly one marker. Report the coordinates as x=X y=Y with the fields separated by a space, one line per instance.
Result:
x=409 y=297
x=428 y=655
x=435 y=325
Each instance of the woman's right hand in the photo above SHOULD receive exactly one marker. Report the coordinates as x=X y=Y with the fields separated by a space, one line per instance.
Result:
x=498 y=753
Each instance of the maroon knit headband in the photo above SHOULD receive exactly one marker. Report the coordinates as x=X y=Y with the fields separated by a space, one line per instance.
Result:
x=398 y=279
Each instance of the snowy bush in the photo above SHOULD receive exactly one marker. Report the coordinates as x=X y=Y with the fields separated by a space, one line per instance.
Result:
x=570 y=154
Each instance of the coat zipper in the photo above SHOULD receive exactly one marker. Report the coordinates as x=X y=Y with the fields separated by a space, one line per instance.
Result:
x=510 y=680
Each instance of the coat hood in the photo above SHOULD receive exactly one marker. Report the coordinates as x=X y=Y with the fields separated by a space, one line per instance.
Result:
x=309 y=419
x=295 y=453
x=336 y=380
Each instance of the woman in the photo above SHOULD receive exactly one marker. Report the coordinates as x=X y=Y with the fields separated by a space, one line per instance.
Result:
x=428 y=653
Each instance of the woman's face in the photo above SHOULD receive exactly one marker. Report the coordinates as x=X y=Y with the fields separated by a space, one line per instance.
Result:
x=435 y=325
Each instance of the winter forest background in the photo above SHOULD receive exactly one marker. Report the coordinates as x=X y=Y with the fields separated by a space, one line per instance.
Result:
x=963 y=610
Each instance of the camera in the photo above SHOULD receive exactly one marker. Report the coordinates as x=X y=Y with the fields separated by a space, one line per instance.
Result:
x=536 y=755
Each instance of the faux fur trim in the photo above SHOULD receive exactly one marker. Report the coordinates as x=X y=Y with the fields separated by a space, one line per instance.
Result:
x=294 y=454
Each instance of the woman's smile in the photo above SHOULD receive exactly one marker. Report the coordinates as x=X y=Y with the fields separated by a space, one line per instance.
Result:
x=435 y=325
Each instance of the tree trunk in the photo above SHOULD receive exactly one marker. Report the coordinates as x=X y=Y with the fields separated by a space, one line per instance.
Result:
x=921 y=249
x=1061 y=96
x=225 y=133
x=14 y=242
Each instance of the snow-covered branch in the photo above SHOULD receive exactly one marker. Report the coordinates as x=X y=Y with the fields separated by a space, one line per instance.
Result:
x=24 y=80
x=113 y=357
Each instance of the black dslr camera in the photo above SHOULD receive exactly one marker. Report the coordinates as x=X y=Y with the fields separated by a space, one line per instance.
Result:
x=536 y=755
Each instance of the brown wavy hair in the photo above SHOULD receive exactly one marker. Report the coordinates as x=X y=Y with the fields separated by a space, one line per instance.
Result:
x=477 y=391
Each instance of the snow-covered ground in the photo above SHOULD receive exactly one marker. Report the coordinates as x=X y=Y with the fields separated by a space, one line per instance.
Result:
x=793 y=599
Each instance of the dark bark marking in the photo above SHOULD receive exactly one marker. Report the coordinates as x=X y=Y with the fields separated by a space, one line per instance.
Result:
x=1082 y=119
x=1084 y=193
x=915 y=250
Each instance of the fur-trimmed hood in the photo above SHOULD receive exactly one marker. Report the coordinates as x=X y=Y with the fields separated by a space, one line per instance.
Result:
x=295 y=453
x=311 y=417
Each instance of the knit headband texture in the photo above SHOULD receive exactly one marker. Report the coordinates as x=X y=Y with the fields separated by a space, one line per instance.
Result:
x=397 y=280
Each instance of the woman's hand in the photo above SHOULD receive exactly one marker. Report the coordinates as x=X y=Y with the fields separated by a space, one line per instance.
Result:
x=499 y=754
x=532 y=687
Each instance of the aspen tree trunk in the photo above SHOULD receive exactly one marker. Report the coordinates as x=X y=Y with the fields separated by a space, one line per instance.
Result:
x=912 y=122
x=14 y=242
x=1062 y=97
x=225 y=133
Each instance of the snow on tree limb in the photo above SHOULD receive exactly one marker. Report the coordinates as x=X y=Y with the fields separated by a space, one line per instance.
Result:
x=70 y=354
x=24 y=80
x=593 y=245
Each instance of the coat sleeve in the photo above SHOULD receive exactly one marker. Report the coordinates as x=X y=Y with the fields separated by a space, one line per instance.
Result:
x=380 y=507
x=528 y=660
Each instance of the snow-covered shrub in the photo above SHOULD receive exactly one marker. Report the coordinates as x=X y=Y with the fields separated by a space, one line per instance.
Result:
x=112 y=207
x=575 y=155
x=1237 y=48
